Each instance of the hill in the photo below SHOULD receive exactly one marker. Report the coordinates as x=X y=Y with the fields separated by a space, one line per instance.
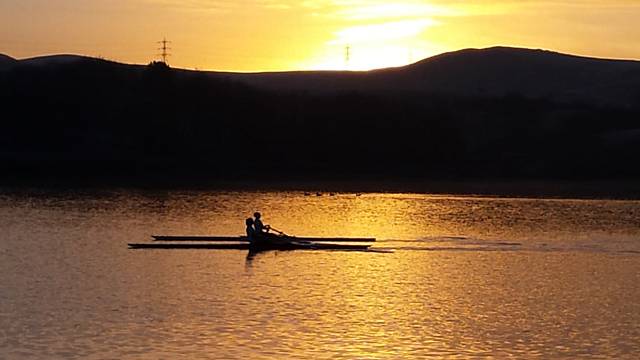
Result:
x=497 y=71
x=52 y=60
x=494 y=113
x=492 y=72
x=7 y=62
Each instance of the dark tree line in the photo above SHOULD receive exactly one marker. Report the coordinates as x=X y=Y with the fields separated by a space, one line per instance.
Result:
x=97 y=119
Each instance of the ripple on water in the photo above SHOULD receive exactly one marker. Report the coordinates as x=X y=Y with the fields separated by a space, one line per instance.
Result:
x=500 y=278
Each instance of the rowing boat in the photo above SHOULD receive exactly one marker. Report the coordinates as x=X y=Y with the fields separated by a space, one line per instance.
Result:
x=294 y=245
x=245 y=239
x=270 y=242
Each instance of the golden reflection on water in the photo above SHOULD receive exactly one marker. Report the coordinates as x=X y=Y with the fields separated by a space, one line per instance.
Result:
x=71 y=288
x=410 y=216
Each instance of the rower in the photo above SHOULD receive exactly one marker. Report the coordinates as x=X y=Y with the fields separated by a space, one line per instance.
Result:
x=258 y=226
x=250 y=230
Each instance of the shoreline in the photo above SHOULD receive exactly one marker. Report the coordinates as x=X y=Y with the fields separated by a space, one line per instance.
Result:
x=615 y=189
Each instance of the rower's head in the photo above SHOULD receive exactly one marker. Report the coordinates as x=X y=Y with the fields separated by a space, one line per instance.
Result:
x=249 y=221
x=256 y=215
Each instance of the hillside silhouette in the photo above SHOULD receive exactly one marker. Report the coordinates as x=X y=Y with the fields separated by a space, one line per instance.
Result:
x=497 y=71
x=498 y=113
x=7 y=62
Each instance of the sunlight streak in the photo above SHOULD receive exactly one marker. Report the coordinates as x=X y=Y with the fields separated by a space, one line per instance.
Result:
x=378 y=33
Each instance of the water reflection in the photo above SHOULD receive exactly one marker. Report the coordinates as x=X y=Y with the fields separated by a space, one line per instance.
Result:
x=251 y=255
x=511 y=278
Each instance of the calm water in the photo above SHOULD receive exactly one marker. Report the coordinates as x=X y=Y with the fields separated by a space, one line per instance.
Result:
x=470 y=277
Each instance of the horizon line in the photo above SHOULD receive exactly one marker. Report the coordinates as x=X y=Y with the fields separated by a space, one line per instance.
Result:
x=101 y=57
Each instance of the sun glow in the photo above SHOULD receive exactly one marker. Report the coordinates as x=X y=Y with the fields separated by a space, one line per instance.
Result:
x=380 y=35
x=372 y=56
x=280 y=35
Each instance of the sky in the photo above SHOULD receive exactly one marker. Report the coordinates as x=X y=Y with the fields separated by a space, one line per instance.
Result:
x=273 y=35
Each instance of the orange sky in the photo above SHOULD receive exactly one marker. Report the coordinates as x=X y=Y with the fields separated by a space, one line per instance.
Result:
x=266 y=35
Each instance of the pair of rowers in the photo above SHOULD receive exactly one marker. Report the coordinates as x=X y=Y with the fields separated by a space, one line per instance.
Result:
x=257 y=232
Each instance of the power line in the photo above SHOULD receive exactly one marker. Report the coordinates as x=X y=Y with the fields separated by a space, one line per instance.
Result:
x=165 y=50
x=347 y=55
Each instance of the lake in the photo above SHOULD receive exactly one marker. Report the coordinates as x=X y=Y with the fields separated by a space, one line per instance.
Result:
x=468 y=277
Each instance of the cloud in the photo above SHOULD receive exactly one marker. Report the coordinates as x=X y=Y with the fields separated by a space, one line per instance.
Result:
x=394 y=10
x=419 y=5
x=225 y=5
x=382 y=32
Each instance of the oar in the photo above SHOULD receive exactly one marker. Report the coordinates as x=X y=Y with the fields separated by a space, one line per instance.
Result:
x=278 y=231
x=292 y=239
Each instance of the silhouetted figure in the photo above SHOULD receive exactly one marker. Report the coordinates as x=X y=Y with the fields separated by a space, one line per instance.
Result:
x=259 y=227
x=250 y=230
x=263 y=238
